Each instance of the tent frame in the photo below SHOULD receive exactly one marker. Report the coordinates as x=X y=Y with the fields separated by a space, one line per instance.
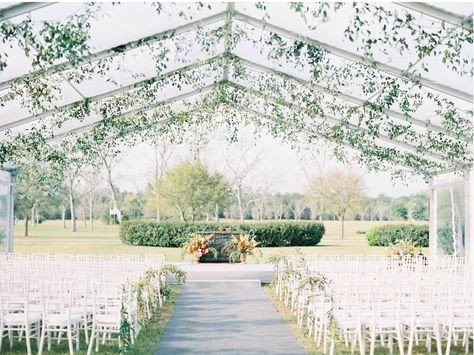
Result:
x=229 y=17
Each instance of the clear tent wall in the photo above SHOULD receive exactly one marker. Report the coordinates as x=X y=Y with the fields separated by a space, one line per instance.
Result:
x=7 y=191
x=451 y=208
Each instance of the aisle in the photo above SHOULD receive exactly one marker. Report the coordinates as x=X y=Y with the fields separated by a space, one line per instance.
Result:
x=226 y=317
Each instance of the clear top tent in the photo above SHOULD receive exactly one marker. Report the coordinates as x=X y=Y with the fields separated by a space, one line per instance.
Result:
x=387 y=85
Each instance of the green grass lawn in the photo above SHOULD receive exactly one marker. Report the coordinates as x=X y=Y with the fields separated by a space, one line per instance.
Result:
x=146 y=344
x=51 y=237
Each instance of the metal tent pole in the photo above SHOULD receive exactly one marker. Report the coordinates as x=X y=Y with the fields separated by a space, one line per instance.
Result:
x=433 y=233
x=11 y=208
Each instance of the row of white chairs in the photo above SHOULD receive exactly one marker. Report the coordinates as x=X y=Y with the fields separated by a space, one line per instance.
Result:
x=369 y=300
x=57 y=297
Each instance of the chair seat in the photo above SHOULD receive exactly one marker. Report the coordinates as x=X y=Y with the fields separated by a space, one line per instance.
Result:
x=383 y=323
x=82 y=310
x=347 y=323
x=107 y=319
x=20 y=318
x=423 y=322
x=459 y=323
x=62 y=319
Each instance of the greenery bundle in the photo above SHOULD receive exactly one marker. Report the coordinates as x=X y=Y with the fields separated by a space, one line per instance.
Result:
x=390 y=234
x=175 y=234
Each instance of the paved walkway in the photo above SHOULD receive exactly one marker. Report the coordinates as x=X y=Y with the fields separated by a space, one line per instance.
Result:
x=226 y=317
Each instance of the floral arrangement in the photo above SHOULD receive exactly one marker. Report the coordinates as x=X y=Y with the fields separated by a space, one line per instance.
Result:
x=242 y=246
x=404 y=248
x=198 y=245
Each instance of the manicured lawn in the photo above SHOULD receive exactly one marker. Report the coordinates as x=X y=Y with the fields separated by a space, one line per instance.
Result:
x=146 y=344
x=50 y=237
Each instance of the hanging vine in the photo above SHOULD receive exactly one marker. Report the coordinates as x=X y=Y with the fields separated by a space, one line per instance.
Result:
x=381 y=123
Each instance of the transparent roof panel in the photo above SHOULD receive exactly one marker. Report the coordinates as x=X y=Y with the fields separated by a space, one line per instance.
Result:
x=462 y=8
x=195 y=32
x=111 y=27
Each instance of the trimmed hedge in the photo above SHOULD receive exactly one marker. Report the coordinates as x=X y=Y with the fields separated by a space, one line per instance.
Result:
x=174 y=234
x=389 y=234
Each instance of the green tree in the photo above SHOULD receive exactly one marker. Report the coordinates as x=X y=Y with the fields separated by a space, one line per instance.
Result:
x=398 y=209
x=343 y=191
x=382 y=206
x=133 y=205
x=296 y=204
x=420 y=212
x=192 y=191
x=34 y=185
x=220 y=195
x=418 y=206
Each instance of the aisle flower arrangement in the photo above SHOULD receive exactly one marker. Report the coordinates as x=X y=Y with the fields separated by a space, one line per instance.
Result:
x=242 y=246
x=405 y=248
x=198 y=245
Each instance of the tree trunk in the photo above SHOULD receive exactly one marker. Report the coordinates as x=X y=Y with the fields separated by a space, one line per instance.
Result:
x=217 y=212
x=63 y=215
x=73 y=212
x=181 y=215
x=84 y=216
x=158 y=212
x=37 y=215
x=33 y=220
x=26 y=225
x=91 y=211
x=342 y=226
x=239 y=203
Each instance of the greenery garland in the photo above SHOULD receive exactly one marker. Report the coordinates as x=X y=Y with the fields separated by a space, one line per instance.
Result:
x=146 y=291
x=295 y=110
x=288 y=267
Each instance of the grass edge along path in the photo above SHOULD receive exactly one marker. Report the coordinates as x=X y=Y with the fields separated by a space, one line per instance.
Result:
x=146 y=343
x=150 y=336
x=310 y=346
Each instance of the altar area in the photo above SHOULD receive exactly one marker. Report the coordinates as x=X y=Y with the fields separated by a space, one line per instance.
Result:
x=223 y=272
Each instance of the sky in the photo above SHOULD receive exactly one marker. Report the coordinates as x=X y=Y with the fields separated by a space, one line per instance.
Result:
x=281 y=167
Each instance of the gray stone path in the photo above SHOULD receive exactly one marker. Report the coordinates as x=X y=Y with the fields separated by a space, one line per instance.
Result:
x=226 y=317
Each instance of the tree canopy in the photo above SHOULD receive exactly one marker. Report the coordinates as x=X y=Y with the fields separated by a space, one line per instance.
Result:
x=191 y=190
